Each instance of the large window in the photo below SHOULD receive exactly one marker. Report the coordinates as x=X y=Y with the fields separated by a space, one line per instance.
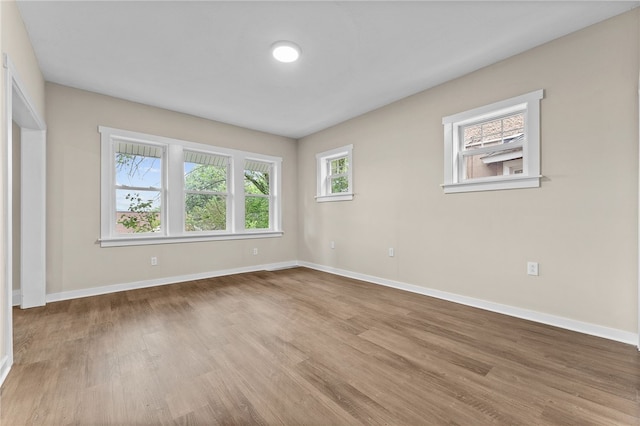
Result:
x=161 y=190
x=335 y=174
x=493 y=147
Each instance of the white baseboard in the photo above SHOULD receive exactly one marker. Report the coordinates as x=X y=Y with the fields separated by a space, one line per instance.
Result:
x=557 y=321
x=554 y=320
x=76 y=294
x=5 y=366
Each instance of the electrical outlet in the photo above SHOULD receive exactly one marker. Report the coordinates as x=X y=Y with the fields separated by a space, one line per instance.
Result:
x=154 y=261
x=332 y=244
x=255 y=251
x=532 y=268
x=391 y=252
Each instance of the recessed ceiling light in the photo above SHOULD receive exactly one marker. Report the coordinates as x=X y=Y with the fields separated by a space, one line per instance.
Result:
x=285 y=51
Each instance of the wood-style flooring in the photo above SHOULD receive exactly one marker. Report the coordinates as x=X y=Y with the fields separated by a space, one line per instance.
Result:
x=301 y=347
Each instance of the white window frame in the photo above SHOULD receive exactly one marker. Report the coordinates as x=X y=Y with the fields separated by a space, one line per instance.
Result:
x=173 y=196
x=454 y=180
x=323 y=160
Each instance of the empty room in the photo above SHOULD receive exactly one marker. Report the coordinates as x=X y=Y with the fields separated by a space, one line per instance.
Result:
x=319 y=212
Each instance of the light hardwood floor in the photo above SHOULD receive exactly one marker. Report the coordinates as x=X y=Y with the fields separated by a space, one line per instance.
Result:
x=301 y=347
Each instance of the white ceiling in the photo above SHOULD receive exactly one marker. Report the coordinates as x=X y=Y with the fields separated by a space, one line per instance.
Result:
x=212 y=59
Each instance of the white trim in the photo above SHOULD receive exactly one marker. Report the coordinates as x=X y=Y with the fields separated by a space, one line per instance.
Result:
x=195 y=238
x=114 y=288
x=7 y=240
x=23 y=111
x=540 y=317
x=638 y=265
x=454 y=180
x=5 y=367
x=17 y=297
x=334 y=197
x=484 y=112
x=26 y=112
x=33 y=225
x=172 y=210
x=494 y=184
x=145 y=138
x=322 y=173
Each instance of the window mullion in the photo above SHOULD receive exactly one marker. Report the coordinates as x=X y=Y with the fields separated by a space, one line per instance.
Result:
x=327 y=181
x=174 y=191
x=108 y=182
x=237 y=193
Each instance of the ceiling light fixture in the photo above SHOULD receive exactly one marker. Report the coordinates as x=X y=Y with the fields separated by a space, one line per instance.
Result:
x=285 y=51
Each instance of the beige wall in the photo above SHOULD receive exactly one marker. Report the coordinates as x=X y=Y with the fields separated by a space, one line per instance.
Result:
x=16 y=44
x=74 y=259
x=581 y=225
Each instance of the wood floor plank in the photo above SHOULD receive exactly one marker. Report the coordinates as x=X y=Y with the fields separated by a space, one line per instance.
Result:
x=302 y=347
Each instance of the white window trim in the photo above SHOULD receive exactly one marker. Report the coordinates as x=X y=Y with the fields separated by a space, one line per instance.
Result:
x=173 y=192
x=322 y=160
x=528 y=103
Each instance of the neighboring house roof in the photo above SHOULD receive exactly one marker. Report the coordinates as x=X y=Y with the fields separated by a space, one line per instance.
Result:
x=506 y=155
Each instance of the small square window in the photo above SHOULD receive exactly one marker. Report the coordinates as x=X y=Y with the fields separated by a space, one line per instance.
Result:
x=494 y=147
x=335 y=174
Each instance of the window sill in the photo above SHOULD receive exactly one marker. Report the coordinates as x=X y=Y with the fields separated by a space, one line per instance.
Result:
x=150 y=240
x=335 y=197
x=492 y=184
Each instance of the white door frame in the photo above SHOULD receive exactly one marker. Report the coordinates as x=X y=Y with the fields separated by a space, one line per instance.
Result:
x=20 y=109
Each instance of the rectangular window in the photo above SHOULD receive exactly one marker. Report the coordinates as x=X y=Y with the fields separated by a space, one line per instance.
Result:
x=335 y=174
x=138 y=188
x=158 y=190
x=205 y=191
x=257 y=195
x=494 y=147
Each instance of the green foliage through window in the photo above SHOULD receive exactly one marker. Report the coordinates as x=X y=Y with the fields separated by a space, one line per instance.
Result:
x=206 y=195
x=141 y=216
x=256 y=189
x=338 y=179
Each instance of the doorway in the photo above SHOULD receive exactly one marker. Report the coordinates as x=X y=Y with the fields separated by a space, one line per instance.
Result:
x=21 y=116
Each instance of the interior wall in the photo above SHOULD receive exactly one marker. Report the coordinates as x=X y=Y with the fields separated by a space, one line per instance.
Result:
x=580 y=225
x=75 y=260
x=16 y=44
